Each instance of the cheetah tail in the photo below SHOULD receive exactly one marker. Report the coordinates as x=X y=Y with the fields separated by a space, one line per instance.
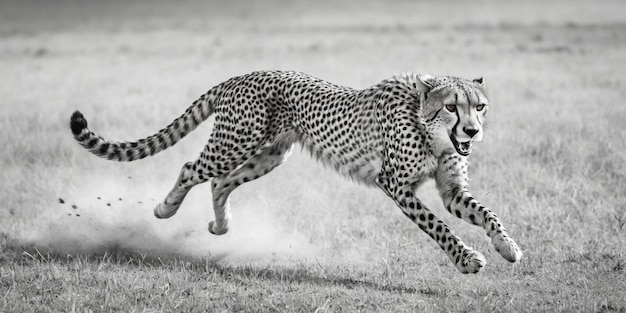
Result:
x=199 y=111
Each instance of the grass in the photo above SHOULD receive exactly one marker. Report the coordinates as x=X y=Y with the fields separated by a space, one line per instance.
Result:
x=303 y=238
x=121 y=280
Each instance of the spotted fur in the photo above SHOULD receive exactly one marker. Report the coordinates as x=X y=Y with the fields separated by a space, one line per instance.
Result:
x=393 y=135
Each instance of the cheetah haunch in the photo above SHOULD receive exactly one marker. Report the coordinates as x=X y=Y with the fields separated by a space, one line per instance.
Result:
x=392 y=135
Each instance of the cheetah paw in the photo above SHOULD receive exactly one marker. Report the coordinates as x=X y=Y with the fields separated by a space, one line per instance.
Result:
x=506 y=247
x=215 y=230
x=471 y=262
x=164 y=211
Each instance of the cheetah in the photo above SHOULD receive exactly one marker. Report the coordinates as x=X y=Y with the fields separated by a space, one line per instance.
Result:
x=394 y=136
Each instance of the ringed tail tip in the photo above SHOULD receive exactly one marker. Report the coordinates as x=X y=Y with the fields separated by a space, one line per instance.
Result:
x=77 y=123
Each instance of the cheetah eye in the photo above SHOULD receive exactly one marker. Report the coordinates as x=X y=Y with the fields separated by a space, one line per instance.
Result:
x=480 y=107
x=451 y=107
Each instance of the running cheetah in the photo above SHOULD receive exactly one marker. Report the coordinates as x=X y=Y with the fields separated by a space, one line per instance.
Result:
x=393 y=135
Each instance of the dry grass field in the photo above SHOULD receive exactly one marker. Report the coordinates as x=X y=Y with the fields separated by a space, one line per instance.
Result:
x=77 y=232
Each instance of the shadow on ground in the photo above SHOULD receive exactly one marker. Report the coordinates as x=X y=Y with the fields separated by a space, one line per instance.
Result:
x=12 y=252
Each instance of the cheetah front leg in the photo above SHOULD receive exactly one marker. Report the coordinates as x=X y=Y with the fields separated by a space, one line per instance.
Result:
x=452 y=183
x=464 y=258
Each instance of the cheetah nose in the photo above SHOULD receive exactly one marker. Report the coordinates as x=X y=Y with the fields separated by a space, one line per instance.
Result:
x=470 y=131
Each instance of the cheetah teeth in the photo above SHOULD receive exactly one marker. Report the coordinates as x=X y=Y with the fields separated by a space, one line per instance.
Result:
x=463 y=148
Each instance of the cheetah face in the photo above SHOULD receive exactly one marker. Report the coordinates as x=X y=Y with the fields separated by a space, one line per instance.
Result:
x=465 y=119
x=459 y=106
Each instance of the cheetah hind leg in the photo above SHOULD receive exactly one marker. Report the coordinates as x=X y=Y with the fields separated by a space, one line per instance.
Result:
x=186 y=180
x=250 y=170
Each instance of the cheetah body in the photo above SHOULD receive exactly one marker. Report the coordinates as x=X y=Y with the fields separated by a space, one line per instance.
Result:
x=393 y=135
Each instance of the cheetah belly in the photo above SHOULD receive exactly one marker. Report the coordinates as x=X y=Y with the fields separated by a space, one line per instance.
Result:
x=357 y=160
x=366 y=170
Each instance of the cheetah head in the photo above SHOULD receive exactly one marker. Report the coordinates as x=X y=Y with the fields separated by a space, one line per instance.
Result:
x=457 y=107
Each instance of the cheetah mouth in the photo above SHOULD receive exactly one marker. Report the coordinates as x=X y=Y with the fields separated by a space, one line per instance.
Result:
x=462 y=148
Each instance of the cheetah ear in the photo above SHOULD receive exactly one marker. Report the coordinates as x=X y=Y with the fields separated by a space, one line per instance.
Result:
x=423 y=83
x=480 y=81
